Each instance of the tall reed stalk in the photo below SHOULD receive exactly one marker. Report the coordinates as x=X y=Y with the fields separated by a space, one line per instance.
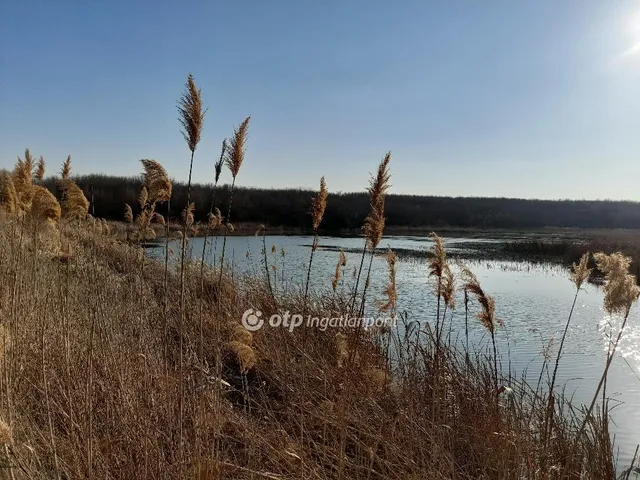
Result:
x=191 y=118
x=620 y=293
x=233 y=161
x=579 y=275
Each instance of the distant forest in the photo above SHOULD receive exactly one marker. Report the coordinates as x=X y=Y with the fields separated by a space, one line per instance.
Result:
x=346 y=211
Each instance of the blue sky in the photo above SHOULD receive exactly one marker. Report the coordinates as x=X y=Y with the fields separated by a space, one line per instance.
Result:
x=533 y=99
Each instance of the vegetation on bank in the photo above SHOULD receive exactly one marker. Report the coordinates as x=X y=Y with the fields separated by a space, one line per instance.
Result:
x=570 y=250
x=288 y=208
x=116 y=366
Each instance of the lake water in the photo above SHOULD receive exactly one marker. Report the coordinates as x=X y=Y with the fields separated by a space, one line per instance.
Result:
x=532 y=300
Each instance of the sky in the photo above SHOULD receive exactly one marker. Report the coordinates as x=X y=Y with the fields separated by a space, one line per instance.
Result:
x=529 y=99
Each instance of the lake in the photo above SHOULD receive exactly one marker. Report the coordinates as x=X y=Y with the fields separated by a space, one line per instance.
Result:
x=533 y=301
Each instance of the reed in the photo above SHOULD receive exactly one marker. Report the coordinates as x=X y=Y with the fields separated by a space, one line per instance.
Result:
x=191 y=117
x=579 y=275
x=486 y=314
x=373 y=227
x=234 y=158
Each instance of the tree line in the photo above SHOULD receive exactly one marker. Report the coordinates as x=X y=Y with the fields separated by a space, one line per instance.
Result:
x=346 y=211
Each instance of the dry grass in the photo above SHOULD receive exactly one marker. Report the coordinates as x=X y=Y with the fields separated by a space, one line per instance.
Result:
x=90 y=384
x=115 y=366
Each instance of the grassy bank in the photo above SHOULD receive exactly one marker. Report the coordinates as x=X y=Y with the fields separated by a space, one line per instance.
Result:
x=92 y=386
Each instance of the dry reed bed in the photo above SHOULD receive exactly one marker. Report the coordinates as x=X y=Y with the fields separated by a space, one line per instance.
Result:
x=88 y=343
x=116 y=366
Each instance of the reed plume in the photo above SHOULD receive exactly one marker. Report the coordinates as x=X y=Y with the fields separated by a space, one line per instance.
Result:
x=44 y=207
x=237 y=147
x=438 y=263
x=319 y=205
x=156 y=181
x=374 y=222
x=143 y=198
x=128 y=213
x=390 y=290
x=437 y=266
x=620 y=288
x=245 y=355
x=233 y=160
x=580 y=273
x=74 y=203
x=65 y=173
x=191 y=113
x=8 y=196
x=23 y=182
x=218 y=165
x=40 y=169
x=158 y=219
x=215 y=218
x=187 y=214
x=342 y=261
x=448 y=287
x=486 y=315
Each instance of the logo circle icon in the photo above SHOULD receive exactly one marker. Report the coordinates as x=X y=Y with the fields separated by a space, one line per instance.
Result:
x=251 y=320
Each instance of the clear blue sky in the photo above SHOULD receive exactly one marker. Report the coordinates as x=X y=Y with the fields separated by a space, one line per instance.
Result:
x=497 y=98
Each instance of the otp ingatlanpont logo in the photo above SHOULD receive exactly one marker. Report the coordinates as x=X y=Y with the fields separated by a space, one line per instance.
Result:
x=251 y=320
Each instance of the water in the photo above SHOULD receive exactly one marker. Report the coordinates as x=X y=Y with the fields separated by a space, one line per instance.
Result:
x=532 y=300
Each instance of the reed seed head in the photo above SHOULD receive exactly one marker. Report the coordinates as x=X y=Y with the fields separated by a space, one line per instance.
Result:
x=374 y=223
x=44 y=206
x=319 y=205
x=620 y=288
x=240 y=334
x=158 y=219
x=65 y=173
x=237 y=147
x=191 y=113
x=187 y=214
x=580 y=273
x=220 y=162
x=215 y=218
x=143 y=198
x=438 y=262
x=156 y=181
x=23 y=182
x=487 y=315
x=390 y=290
x=74 y=203
x=448 y=287
x=128 y=213
x=8 y=196
x=245 y=355
x=40 y=169
x=342 y=261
